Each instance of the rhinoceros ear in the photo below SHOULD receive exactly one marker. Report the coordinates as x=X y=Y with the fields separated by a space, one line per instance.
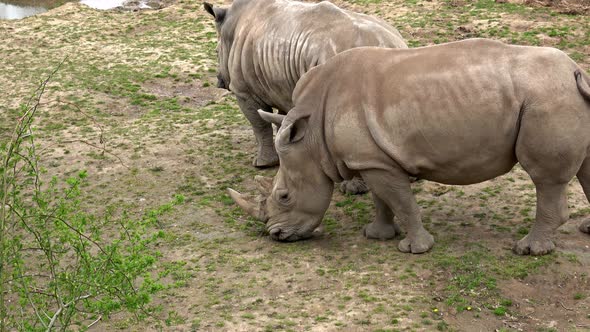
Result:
x=217 y=12
x=293 y=132
x=275 y=118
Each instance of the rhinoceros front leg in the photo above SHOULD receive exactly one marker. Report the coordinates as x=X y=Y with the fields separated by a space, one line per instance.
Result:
x=384 y=227
x=551 y=213
x=393 y=188
x=267 y=155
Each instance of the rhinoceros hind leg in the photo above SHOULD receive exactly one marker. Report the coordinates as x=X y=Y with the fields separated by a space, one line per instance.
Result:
x=584 y=178
x=384 y=227
x=393 y=187
x=550 y=148
x=356 y=186
x=551 y=213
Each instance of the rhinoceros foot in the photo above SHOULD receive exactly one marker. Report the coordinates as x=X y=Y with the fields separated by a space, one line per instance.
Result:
x=356 y=186
x=380 y=231
x=585 y=226
x=265 y=160
x=535 y=246
x=421 y=242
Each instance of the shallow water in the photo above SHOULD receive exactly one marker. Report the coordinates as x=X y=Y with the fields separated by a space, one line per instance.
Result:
x=17 y=9
x=13 y=12
x=103 y=4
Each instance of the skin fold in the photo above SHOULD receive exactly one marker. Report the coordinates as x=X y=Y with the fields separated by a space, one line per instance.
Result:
x=458 y=113
x=265 y=46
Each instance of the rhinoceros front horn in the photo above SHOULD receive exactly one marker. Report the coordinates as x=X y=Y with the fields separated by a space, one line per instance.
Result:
x=255 y=208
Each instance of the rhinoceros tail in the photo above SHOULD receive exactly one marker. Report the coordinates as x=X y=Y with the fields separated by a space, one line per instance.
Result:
x=582 y=84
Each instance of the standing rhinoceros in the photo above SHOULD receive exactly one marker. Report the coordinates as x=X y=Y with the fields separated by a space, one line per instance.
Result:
x=265 y=46
x=458 y=113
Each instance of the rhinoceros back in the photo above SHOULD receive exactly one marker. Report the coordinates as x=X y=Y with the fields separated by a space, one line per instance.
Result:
x=277 y=41
x=443 y=111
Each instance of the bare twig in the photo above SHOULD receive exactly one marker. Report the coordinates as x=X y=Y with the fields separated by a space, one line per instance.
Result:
x=96 y=321
x=79 y=110
x=104 y=150
x=566 y=308
x=101 y=138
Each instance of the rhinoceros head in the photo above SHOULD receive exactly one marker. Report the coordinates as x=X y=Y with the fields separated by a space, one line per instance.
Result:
x=224 y=41
x=295 y=201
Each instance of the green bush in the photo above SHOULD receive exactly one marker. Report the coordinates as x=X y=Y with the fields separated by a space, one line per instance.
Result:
x=62 y=267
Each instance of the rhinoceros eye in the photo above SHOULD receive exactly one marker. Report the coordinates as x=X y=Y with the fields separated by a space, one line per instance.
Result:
x=282 y=196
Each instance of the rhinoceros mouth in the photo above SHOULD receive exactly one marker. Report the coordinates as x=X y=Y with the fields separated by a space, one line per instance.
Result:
x=279 y=234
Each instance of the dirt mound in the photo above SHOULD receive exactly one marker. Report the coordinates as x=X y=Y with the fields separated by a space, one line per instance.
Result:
x=572 y=7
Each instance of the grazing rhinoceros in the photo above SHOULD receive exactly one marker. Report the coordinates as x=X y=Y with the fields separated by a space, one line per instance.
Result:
x=265 y=46
x=457 y=113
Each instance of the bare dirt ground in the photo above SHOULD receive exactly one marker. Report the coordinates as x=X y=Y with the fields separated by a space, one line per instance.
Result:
x=146 y=79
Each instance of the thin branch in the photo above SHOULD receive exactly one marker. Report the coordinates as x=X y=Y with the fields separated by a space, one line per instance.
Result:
x=566 y=308
x=79 y=233
x=40 y=292
x=59 y=101
x=25 y=276
x=33 y=305
x=23 y=126
x=62 y=307
x=93 y=323
x=100 y=137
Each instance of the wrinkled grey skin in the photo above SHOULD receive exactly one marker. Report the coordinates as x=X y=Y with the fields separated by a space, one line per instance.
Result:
x=457 y=113
x=265 y=46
